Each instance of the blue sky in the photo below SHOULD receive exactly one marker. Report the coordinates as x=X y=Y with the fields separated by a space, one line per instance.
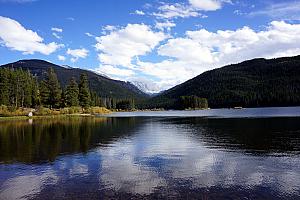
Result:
x=156 y=44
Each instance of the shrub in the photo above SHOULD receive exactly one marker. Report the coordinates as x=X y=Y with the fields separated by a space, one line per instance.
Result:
x=97 y=110
x=9 y=111
x=41 y=111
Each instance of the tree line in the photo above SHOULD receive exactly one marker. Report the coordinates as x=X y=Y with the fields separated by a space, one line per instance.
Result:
x=19 y=88
x=192 y=102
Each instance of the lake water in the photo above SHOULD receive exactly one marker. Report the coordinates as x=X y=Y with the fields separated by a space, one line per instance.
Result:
x=212 y=154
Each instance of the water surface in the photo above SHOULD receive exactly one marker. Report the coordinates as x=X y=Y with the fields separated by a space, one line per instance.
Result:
x=151 y=157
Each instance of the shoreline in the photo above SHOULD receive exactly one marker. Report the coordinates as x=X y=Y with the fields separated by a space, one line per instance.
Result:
x=7 y=118
x=45 y=116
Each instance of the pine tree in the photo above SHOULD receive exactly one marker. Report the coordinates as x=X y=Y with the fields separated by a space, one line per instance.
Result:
x=44 y=92
x=50 y=90
x=71 y=94
x=84 y=92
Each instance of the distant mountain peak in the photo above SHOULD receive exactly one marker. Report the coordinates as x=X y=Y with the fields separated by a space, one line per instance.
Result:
x=146 y=86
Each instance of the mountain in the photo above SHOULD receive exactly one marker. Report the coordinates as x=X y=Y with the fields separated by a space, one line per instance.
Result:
x=253 y=83
x=103 y=86
x=148 y=87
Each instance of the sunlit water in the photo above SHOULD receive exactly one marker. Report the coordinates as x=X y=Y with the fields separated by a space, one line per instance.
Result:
x=217 y=154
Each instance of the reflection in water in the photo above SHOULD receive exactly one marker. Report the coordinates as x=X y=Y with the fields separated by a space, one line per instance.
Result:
x=273 y=135
x=124 y=158
x=44 y=140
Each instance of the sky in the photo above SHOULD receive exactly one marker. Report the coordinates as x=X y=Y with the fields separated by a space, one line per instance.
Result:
x=154 y=43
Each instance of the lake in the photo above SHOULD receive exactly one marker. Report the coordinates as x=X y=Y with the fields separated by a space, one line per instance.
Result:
x=209 y=154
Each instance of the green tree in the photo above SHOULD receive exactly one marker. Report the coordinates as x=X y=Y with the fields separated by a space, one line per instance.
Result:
x=50 y=90
x=44 y=92
x=84 y=91
x=36 y=96
x=72 y=93
x=27 y=89
x=4 y=87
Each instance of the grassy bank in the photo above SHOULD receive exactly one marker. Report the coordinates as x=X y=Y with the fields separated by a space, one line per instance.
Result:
x=22 y=113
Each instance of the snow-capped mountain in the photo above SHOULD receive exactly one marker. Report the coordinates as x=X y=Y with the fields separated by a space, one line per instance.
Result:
x=146 y=86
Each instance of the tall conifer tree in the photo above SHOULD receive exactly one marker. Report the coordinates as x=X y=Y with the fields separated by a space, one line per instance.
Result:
x=84 y=91
x=71 y=94
x=50 y=90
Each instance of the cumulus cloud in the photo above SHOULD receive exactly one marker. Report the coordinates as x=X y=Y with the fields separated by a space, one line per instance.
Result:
x=121 y=51
x=61 y=58
x=14 y=36
x=208 y=5
x=203 y=50
x=119 y=47
x=77 y=53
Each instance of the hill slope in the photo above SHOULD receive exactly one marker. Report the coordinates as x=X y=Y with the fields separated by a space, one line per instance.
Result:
x=252 y=83
x=103 y=86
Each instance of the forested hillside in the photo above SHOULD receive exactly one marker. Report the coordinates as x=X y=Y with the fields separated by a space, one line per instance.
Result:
x=253 y=83
x=102 y=86
x=20 y=89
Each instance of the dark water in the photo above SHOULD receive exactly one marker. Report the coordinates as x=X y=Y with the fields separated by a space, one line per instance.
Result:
x=151 y=158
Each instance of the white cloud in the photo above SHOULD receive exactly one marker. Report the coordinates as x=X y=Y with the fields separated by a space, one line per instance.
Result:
x=168 y=72
x=59 y=30
x=119 y=47
x=169 y=11
x=193 y=9
x=14 y=36
x=89 y=34
x=178 y=48
x=139 y=12
x=165 y=25
x=115 y=72
x=202 y=50
x=61 y=58
x=109 y=28
x=77 y=53
x=289 y=10
x=56 y=35
x=208 y=5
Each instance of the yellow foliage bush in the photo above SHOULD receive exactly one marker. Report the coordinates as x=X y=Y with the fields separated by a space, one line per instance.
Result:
x=97 y=110
x=8 y=112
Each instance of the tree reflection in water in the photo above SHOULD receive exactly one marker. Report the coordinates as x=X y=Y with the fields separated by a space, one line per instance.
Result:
x=43 y=140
